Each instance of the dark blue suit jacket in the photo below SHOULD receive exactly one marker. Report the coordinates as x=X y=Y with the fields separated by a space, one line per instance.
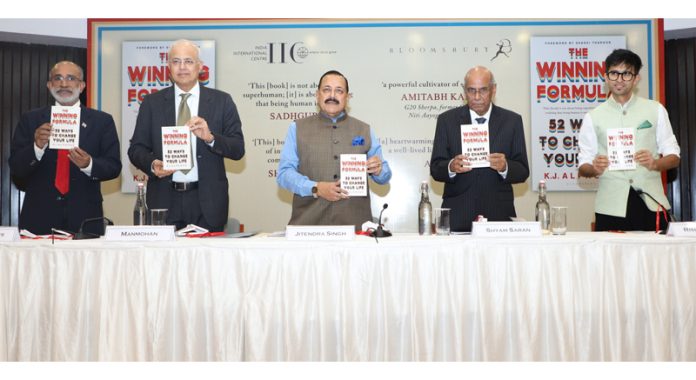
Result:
x=220 y=112
x=481 y=191
x=43 y=207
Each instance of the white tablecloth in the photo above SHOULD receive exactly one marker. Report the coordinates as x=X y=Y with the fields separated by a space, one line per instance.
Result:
x=583 y=296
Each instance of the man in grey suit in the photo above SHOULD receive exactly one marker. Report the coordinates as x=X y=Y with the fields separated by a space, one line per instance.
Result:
x=198 y=196
x=482 y=191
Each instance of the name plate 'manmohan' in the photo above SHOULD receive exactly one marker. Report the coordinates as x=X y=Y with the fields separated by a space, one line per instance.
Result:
x=139 y=233
x=506 y=229
x=320 y=232
x=682 y=229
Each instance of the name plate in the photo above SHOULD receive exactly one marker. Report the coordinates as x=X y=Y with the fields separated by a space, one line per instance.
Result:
x=682 y=229
x=9 y=234
x=506 y=229
x=320 y=232
x=139 y=233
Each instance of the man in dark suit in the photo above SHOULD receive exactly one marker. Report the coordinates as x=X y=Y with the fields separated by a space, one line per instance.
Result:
x=199 y=196
x=34 y=167
x=482 y=191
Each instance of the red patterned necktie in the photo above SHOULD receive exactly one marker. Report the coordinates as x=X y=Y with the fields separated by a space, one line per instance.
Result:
x=62 y=181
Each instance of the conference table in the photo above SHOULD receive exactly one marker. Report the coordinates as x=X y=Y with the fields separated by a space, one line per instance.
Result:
x=585 y=296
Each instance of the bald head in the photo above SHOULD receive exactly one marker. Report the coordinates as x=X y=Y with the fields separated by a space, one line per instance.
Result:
x=479 y=89
x=185 y=44
x=69 y=64
x=479 y=72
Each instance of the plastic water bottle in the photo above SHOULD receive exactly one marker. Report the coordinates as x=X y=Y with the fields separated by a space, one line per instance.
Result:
x=425 y=212
x=543 y=211
x=140 y=211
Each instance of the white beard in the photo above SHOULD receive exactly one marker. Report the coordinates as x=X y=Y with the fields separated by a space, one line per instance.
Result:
x=71 y=99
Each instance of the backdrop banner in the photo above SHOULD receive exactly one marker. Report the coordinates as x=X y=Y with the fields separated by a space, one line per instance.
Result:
x=566 y=82
x=402 y=74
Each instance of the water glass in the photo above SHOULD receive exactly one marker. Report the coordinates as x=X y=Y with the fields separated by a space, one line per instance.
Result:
x=559 y=223
x=158 y=216
x=442 y=221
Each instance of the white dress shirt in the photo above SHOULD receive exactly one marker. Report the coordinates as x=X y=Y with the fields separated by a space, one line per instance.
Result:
x=192 y=101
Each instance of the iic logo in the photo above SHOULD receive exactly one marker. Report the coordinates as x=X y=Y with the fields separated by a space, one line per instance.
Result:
x=279 y=52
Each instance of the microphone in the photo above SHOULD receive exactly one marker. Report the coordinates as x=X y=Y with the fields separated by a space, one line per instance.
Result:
x=672 y=218
x=81 y=235
x=380 y=231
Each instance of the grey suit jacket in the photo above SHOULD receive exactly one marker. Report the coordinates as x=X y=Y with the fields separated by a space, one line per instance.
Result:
x=481 y=191
x=220 y=112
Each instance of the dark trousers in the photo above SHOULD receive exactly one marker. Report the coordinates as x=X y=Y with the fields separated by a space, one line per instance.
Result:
x=638 y=217
x=185 y=209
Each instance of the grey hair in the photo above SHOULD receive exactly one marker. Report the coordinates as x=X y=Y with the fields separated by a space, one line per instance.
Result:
x=184 y=42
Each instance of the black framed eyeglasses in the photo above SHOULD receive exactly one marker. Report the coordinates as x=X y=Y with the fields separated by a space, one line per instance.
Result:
x=625 y=75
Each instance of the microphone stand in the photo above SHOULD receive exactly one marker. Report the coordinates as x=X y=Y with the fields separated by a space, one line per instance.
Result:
x=667 y=211
x=380 y=232
x=81 y=235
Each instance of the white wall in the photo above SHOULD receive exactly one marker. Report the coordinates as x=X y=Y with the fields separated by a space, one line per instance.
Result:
x=77 y=27
x=61 y=27
x=679 y=23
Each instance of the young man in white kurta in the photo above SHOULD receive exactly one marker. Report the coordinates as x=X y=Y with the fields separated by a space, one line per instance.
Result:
x=619 y=204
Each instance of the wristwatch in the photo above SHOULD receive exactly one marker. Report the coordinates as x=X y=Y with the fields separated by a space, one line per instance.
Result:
x=315 y=193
